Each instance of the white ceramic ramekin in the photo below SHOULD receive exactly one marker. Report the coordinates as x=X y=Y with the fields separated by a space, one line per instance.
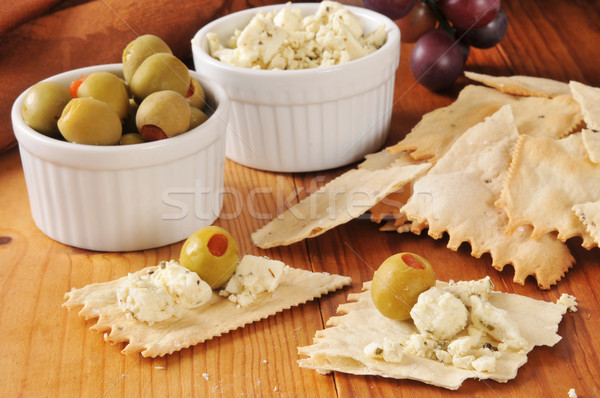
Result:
x=304 y=120
x=124 y=198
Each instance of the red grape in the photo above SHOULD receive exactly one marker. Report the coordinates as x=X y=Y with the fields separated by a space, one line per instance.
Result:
x=469 y=14
x=416 y=23
x=436 y=60
x=393 y=9
x=487 y=36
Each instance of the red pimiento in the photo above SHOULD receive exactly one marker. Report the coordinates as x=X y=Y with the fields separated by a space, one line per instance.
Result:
x=151 y=132
x=217 y=245
x=74 y=86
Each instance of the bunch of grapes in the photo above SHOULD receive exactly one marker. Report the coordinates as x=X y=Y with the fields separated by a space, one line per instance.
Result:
x=443 y=32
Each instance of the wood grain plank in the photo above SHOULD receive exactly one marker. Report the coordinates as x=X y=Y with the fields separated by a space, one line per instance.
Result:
x=49 y=351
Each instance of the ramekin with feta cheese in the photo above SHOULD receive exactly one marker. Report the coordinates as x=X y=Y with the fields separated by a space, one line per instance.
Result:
x=310 y=84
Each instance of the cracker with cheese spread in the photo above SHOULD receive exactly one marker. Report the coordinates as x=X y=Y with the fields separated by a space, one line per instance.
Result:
x=522 y=85
x=342 y=199
x=458 y=196
x=536 y=116
x=217 y=316
x=546 y=179
x=343 y=345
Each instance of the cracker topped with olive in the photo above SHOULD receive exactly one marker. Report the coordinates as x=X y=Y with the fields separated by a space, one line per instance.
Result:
x=405 y=324
x=155 y=99
x=209 y=291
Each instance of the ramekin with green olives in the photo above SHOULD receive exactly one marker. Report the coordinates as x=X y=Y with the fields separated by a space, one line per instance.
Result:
x=154 y=97
x=122 y=197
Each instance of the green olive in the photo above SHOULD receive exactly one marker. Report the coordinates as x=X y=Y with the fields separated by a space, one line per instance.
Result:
x=197 y=117
x=398 y=283
x=196 y=96
x=165 y=112
x=138 y=50
x=42 y=106
x=212 y=253
x=160 y=72
x=107 y=87
x=131 y=138
x=90 y=121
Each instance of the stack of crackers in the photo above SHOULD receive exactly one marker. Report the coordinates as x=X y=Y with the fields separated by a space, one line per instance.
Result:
x=511 y=167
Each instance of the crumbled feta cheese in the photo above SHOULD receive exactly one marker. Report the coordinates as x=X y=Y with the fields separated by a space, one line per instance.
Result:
x=568 y=301
x=373 y=350
x=464 y=362
x=439 y=314
x=485 y=363
x=164 y=292
x=421 y=345
x=286 y=40
x=458 y=326
x=389 y=351
x=464 y=289
x=254 y=275
x=572 y=393
x=496 y=323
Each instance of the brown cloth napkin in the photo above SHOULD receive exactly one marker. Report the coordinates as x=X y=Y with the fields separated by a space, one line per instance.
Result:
x=40 y=38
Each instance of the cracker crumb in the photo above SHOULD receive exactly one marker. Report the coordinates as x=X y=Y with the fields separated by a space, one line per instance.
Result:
x=572 y=393
x=568 y=301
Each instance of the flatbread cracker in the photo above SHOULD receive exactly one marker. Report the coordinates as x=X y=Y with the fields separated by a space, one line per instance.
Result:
x=342 y=199
x=522 y=85
x=340 y=346
x=591 y=141
x=388 y=208
x=546 y=179
x=589 y=99
x=384 y=160
x=434 y=135
x=589 y=214
x=197 y=325
x=458 y=196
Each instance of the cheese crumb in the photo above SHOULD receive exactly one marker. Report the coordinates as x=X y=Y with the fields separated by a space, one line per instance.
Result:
x=439 y=314
x=389 y=351
x=254 y=275
x=572 y=393
x=496 y=323
x=568 y=301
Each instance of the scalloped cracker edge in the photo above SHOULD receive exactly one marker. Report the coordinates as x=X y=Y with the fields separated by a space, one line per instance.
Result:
x=339 y=201
x=589 y=99
x=458 y=196
x=591 y=141
x=522 y=85
x=437 y=131
x=340 y=346
x=217 y=317
x=589 y=214
x=546 y=179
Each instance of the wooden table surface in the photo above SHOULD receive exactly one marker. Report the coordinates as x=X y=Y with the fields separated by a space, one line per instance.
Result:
x=49 y=351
